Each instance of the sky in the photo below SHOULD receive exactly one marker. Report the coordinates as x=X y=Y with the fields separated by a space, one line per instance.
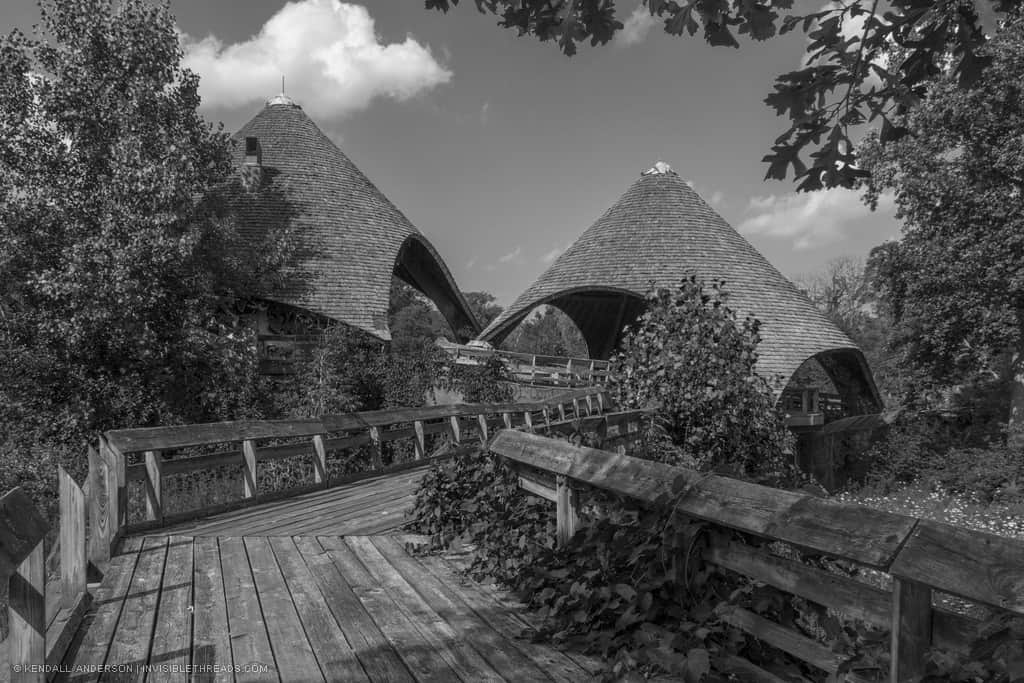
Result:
x=500 y=149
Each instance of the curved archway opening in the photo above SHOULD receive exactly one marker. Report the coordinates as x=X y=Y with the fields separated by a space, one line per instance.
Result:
x=419 y=265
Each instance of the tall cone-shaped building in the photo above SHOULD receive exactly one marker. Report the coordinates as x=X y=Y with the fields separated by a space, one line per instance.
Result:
x=661 y=231
x=350 y=238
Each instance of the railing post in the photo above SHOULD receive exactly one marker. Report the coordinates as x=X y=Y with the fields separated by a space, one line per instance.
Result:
x=72 y=539
x=528 y=420
x=576 y=408
x=27 y=617
x=419 y=443
x=590 y=404
x=249 y=471
x=100 y=532
x=506 y=418
x=482 y=422
x=561 y=411
x=547 y=418
x=600 y=401
x=378 y=448
x=911 y=629
x=569 y=379
x=566 y=519
x=456 y=429
x=319 y=460
x=154 y=486
x=116 y=487
x=533 y=369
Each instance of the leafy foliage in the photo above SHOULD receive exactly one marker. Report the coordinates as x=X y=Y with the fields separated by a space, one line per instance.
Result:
x=955 y=281
x=689 y=358
x=120 y=264
x=550 y=332
x=864 y=61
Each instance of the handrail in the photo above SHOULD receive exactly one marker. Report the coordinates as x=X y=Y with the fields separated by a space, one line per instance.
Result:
x=319 y=440
x=535 y=368
x=921 y=556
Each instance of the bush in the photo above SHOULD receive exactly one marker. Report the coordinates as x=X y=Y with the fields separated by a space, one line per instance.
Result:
x=690 y=359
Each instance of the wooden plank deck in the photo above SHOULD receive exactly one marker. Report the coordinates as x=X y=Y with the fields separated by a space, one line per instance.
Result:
x=302 y=608
x=374 y=505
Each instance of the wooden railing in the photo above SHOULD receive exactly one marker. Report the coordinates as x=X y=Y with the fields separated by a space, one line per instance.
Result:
x=537 y=369
x=922 y=557
x=147 y=458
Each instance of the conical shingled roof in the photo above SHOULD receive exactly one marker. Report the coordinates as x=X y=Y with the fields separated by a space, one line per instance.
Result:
x=660 y=230
x=351 y=238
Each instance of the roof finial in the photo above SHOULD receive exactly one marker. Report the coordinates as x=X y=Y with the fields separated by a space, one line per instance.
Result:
x=659 y=168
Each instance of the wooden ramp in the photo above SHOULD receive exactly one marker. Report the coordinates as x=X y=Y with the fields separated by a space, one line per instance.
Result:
x=371 y=505
x=302 y=608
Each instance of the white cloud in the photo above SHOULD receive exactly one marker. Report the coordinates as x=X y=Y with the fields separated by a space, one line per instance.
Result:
x=556 y=251
x=636 y=27
x=717 y=197
x=329 y=53
x=511 y=256
x=484 y=110
x=809 y=219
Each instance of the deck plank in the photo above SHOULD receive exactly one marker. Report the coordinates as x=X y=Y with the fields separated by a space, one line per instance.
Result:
x=132 y=639
x=558 y=665
x=371 y=647
x=335 y=656
x=250 y=644
x=292 y=651
x=426 y=665
x=99 y=627
x=172 y=637
x=503 y=656
x=211 y=645
x=450 y=644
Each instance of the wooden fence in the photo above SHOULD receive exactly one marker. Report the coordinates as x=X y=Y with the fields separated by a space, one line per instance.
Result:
x=542 y=370
x=921 y=556
x=43 y=617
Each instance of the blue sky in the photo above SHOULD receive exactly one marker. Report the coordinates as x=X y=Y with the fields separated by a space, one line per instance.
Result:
x=502 y=150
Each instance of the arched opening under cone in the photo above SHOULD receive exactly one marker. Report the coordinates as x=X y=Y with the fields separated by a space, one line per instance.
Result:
x=599 y=314
x=419 y=265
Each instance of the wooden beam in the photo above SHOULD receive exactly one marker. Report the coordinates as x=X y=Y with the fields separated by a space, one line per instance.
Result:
x=319 y=460
x=566 y=514
x=100 y=533
x=154 y=486
x=26 y=610
x=911 y=629
x=249 y=473
x=72 y=539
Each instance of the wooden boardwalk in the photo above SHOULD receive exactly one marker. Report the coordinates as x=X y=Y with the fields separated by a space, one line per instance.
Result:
x=372 y=505
x=304 y=608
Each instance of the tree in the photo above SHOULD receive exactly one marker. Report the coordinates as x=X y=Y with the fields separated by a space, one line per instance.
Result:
x=693 y=362
x=956 y=279
x=550 y=332
x=120 y=266
x=865 y=61
x=484 y=306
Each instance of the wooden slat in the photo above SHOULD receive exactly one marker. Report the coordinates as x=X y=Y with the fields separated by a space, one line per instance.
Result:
x=246 y=626
x=21 y=530
x=450 y=645
x=62 y=629
x=862 y=534
x=72 y=539
x=133 y=638
x=109 y=602
x=211 y=644
x=117 y=490
x=154 y=485
x=911 y=630
x=852 y=598
x=249 y=473
x=456 y=429
x=566 y=515
x=416 y=651
x=172 y=635
x=292 y=651
x=99 y=515
x=419 y=443
x=26 y=609
x=337 y=660
x=501 y=655
x=166 y=438
x=319 y=460
x=799 y=646
x=972 y=564
x=538 y=489
x=380 y=662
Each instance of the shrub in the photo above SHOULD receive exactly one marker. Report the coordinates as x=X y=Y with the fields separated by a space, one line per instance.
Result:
x=690 y=359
